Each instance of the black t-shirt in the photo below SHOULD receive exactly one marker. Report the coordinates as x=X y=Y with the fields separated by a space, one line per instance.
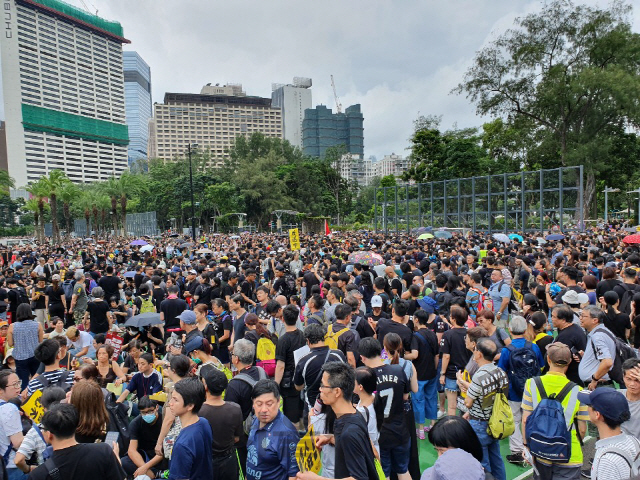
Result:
x=362 y=325
x=347 y=341
x=172 y=307
x=248 y=288
x=221 y=324
x=287 y=344
x=146 y=433
x=239 y=391
x=203 y=292
x=310 y=280
x=573 y=336
x=392 y=385
x=110 y=285
x=55 y=296
x=85 y=461
x=438 y=325
x=353 y=453
x=636 y=336
x=226 y=423
x=280 y=285
x=618 y=323
x=453 y=343
x=389 y=326
x=426 y=342
x=98 y=316
x=40 y=301
x=309 y=367
x=604 y=286
x=158 y=297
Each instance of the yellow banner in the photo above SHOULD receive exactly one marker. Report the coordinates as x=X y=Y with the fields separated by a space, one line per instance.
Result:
x=294 y=239
x=33 y=408
x=307 y=455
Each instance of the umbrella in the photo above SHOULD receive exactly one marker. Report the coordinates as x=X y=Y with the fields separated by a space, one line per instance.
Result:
x=541 y=241
x=515 y=236
x=443 y=234
x=632 y=238
x=146 y=248
x=425 y=236
x=235 y=236
x=204 y=250
x=555 y=236
x=129 y=274
x=174 y=235
x=366 y=258
x=139 y=242
x=420 y=230
x=501 y=237
x=186 y=244
x=143 y=320
x=88 y=240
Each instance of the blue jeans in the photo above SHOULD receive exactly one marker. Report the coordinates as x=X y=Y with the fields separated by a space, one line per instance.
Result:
x=25 y=369
x=491 y=458
x=425 y=400
x=16 y=474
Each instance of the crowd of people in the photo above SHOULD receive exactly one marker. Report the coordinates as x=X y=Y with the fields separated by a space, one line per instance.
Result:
x=235 y=357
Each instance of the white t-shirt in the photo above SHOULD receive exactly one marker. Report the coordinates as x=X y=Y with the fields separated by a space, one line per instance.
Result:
x=9 y=425
x=84 y=340
x=372 y=425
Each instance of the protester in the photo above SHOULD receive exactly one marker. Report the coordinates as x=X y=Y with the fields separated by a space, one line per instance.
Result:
x=23 y=336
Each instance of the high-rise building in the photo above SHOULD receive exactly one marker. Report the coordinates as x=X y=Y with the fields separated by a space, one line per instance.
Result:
x=363 y=170
x=293 y=100
x=210 y=120
x=63 y=88
x=321 y=129
x=391 y=165
x=137 y=98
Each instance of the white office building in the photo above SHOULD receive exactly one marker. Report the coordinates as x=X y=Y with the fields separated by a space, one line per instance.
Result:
x=362 y=170
x=293 y=100
x=63 y=86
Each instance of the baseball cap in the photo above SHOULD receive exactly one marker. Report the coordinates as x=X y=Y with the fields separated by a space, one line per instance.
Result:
x=280 y=268
x=188 y=317
x=376 y=301
x=194 y=344
x=192 y=272
x=609 y=402
x=559 y=353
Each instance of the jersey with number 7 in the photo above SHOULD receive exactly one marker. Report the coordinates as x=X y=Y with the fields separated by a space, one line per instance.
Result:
x=392 y=386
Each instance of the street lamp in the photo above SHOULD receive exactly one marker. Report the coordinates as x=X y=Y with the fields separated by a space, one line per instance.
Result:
x=193 y=206
x=637 y=190
x=608 y=190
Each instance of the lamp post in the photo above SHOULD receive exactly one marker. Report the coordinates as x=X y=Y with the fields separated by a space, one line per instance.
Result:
x=193 y=206
x=607 y=191
x=637 y=190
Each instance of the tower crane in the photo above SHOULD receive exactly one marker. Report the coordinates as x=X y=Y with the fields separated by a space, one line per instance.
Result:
x=338 y=104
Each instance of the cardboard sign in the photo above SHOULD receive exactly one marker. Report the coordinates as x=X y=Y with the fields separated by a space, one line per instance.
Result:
x=307 y=455
x=117 y=391
x=294 y=239
x=33 y=408
x=115 y=341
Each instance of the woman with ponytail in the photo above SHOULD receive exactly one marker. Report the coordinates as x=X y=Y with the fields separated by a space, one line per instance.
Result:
x=54 y=298
x=616 y=321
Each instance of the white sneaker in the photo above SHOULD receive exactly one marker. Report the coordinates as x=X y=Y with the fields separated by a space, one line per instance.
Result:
x=440 y=414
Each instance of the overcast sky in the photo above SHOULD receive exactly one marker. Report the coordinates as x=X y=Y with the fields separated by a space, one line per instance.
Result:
x=398 y=59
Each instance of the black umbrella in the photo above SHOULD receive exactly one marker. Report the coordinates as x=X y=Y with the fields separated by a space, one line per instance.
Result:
x=143 y=320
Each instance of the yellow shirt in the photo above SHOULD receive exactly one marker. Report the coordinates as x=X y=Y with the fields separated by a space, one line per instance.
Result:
x=554 y=382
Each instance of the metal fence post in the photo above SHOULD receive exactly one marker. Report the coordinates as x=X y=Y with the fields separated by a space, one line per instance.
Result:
x=375 y=209
x=490 y=220
x=395 y=208
x=385 y=213
x=419 y=205
x=458 y=203
x=560 y=189
x=444 y=207
x=407 y=203
x=522 y=206
x=506 y=209
x=541 y=202
x=473 y=204
x=581 y=199
x=431 y=185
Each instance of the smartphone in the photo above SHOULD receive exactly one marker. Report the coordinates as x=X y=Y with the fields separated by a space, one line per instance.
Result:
x=576 y=352
x=111 y=437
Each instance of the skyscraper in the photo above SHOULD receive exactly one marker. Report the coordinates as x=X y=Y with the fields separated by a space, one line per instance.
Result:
x=321 y=129
x=137 y=98
x=293 y=100
x=211 y=119
x=63 y=88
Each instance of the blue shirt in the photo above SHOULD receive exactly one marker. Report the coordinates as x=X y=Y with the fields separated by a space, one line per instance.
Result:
x=191 y=457
x=145 y=385
x=271 y=451
x=503 y=363
x=497 y=292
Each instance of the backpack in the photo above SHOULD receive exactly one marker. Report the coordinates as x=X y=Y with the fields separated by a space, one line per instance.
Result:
x=147 y=305
x=22 y=296
x=61 y=382
x=48 y=451
x=266 y=355
x=548 y=428
x=118 y=421
x=523 y=365
x=319 y=318
x=331 y=337
x=484 y=301
x=290 y=284
x=626 y=298
x=624 y=352
x=633 y=462
x=67 y=286
x=245 y=377
x=501 y=423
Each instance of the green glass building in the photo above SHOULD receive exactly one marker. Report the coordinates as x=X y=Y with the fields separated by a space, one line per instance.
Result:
x=321 y=129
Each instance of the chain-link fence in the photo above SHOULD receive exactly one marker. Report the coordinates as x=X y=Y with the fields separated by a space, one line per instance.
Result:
x=138 y=224
x=523 y=201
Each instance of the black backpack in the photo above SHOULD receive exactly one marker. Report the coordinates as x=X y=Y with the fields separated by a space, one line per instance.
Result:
x=290 y=284
x=118 y=420
x=60 y=382
x=22 y=296
x=627 y=297
x=623 y=352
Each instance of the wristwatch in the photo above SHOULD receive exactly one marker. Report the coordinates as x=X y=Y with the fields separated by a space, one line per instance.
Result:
x=593 y=377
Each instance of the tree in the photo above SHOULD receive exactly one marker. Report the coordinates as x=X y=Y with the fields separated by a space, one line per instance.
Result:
x=40 y=191
x=53 y=183
x=84 y=206
x=6 y=182
x=68 y=194
x=572 y=72
x=32 y=205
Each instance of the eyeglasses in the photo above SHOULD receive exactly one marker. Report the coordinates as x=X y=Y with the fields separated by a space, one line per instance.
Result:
x=77 y=379
x=17 y=384
x=325 y=386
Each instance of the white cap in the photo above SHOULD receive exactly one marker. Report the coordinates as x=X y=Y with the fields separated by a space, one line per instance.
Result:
x=376 y=301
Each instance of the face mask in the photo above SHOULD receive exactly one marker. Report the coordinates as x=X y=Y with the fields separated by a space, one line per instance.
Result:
x=197 y=361
x=149 y=417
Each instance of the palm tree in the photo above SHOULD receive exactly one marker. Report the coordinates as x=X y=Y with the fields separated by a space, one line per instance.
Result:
x=111 y=187
x=53 y=184
x=31 y=205
x=102 y=203
x=84 y=204
x=6 y=182
x=129 y=185
x=39 y=191
x=68 y=194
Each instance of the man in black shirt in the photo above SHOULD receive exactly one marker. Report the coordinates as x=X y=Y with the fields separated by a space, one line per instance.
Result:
x=571 y=335
x=425 y=400
x=110 y=284
x=393 y=389
x=80 y=461
x=171 y=308
x=455 y=356
x=354 y=456
x=202 y=294
x=144 y=430
x=339 y=333
x=397 y=325
x=248 y=287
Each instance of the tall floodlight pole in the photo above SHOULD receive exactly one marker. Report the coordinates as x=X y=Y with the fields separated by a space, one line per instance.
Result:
x=193 y=205
x=607 y=191
x=637 y=190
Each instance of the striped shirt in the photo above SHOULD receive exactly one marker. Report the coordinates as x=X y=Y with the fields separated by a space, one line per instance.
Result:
x=608 y=465
x=488 y=380
x=53 y=377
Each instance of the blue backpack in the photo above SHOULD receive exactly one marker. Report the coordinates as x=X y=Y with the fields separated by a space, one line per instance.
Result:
x=523 y=365
x=548 y=428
